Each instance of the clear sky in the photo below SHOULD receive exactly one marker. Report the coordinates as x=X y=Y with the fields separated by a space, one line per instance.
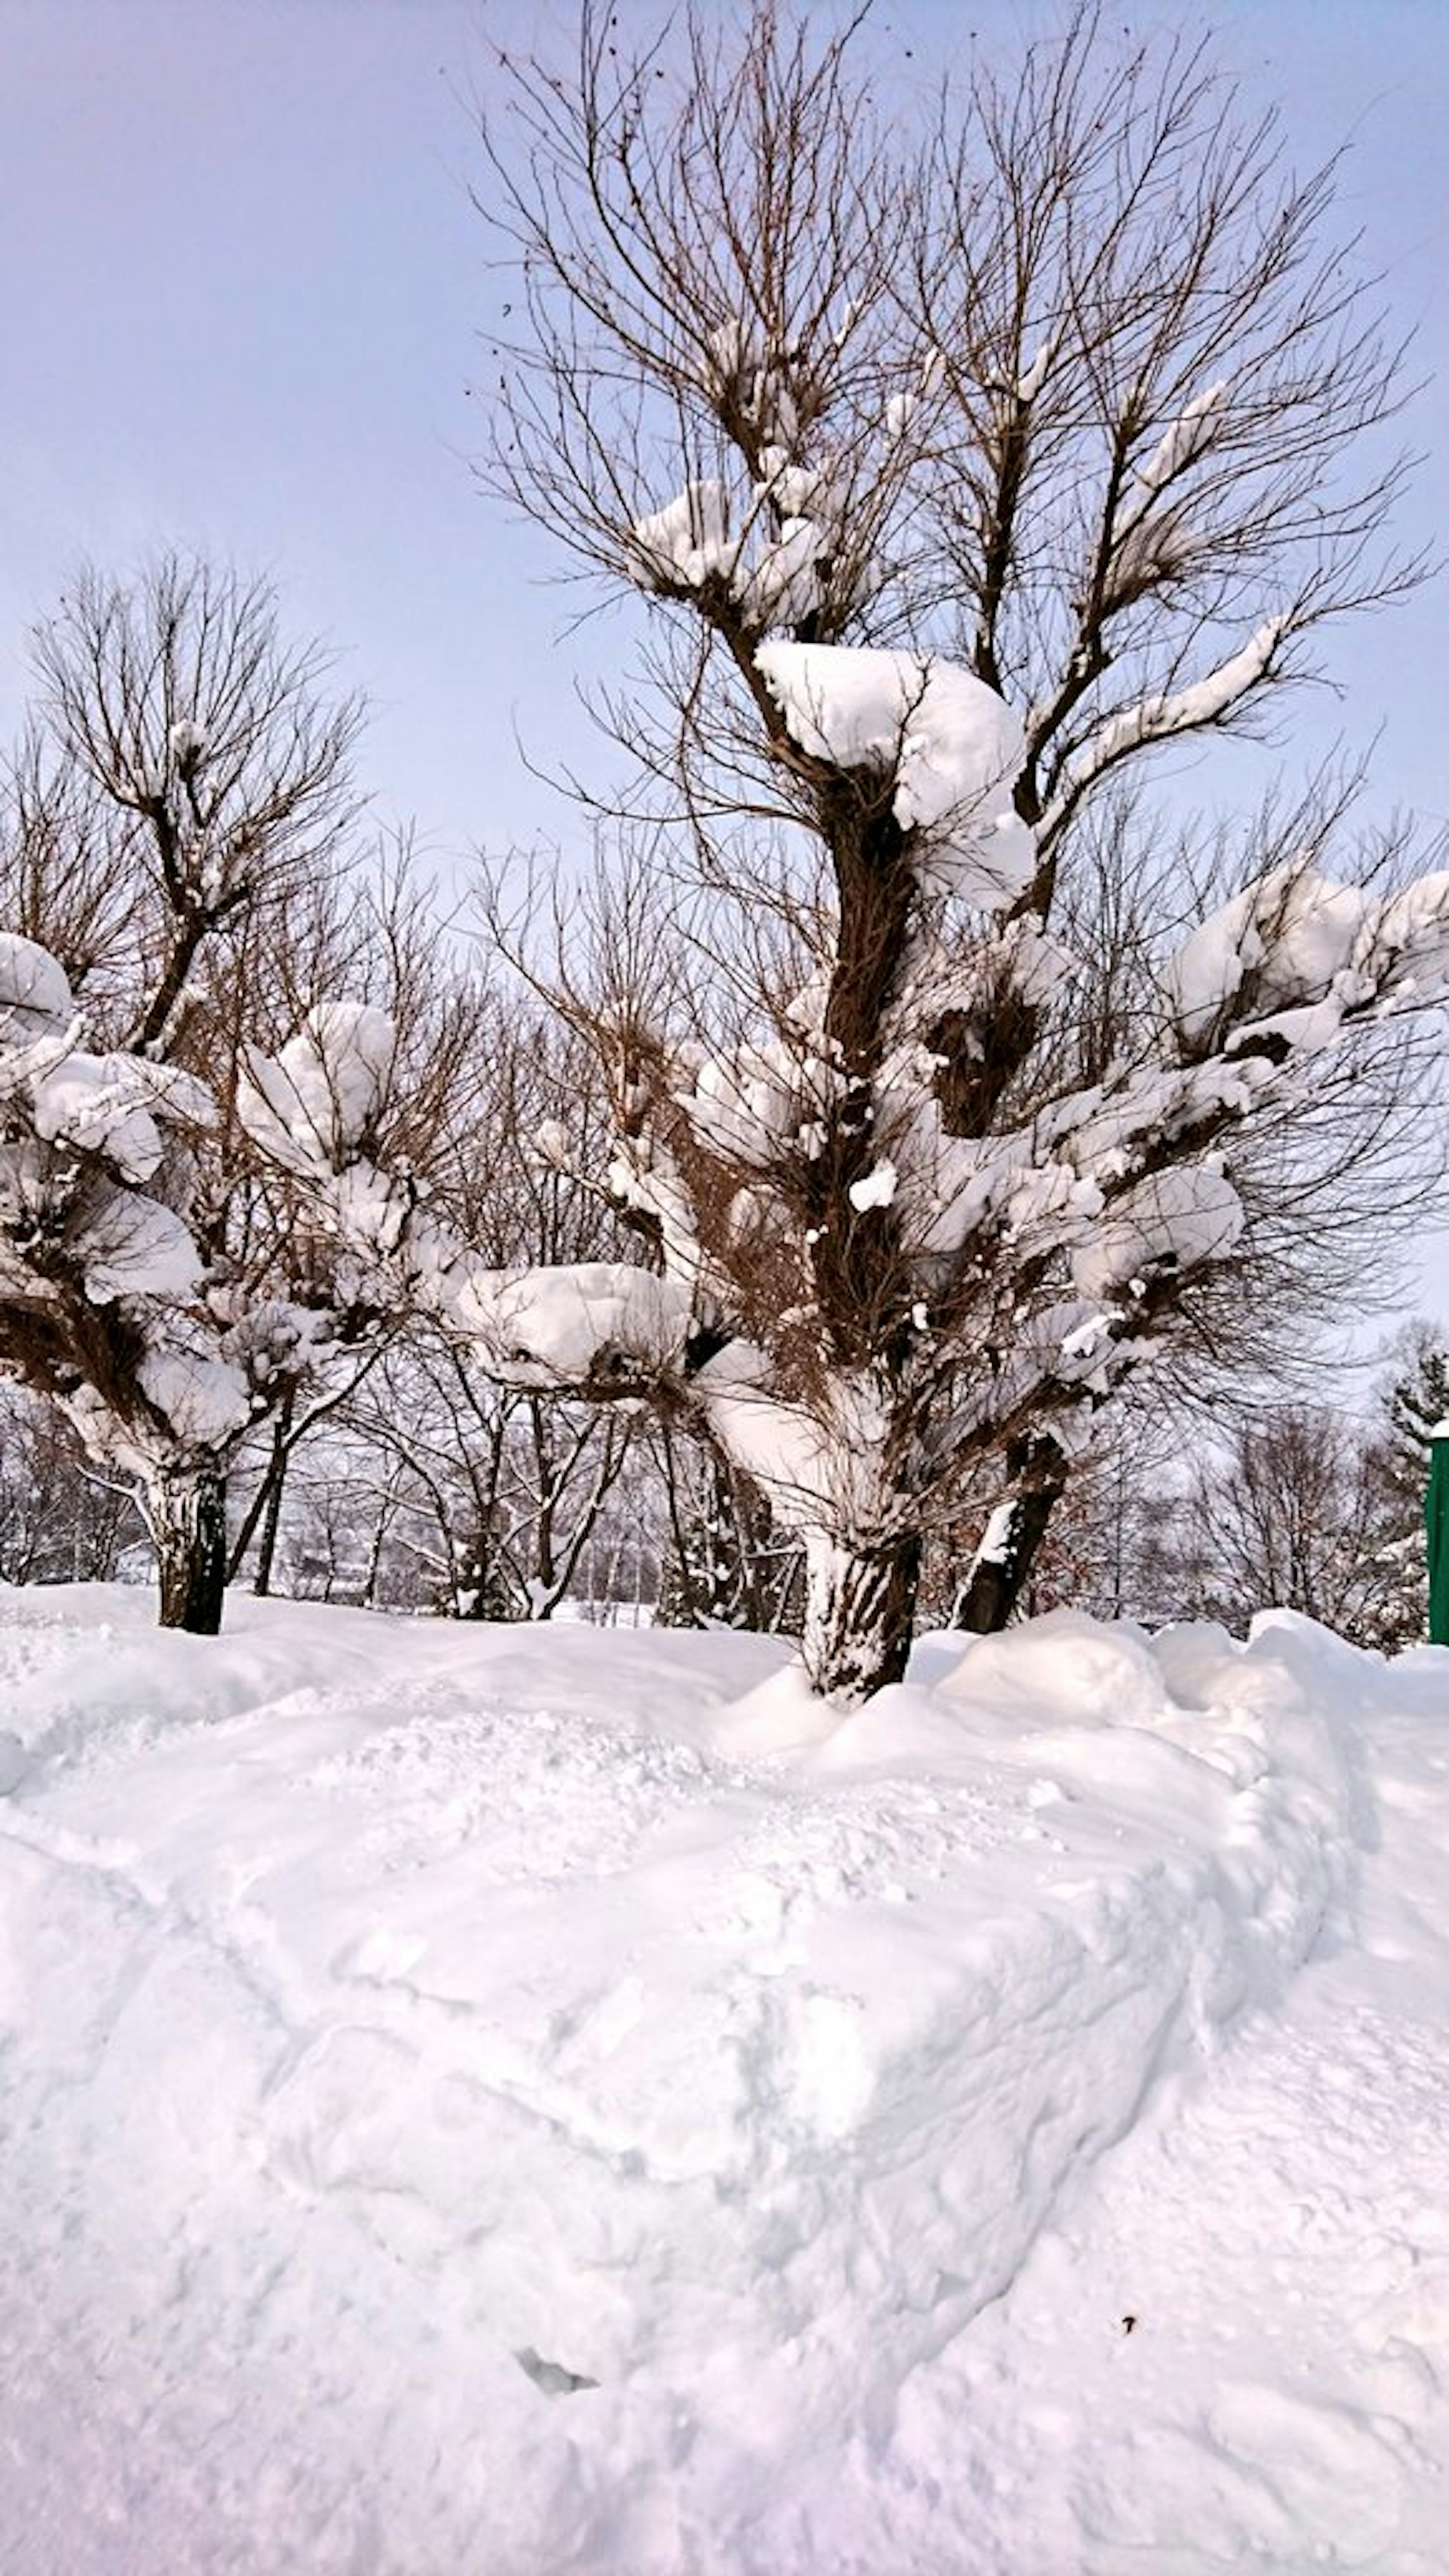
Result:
x=243 y=290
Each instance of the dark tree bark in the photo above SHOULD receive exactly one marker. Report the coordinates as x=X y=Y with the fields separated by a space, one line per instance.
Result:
x=999 y=1575
x=188 y=1523
x=859 y=1612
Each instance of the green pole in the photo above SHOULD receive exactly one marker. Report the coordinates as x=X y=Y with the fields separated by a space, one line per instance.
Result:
x=1436 y=1530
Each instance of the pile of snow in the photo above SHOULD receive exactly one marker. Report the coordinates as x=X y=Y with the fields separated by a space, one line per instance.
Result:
x=557 y=2103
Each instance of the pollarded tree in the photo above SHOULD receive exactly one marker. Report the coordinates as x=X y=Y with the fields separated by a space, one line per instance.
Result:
x=1333 y=1180
x=955 y=479
x=175 y=887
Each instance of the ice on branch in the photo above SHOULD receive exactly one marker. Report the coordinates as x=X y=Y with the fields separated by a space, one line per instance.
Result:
x=953 y=746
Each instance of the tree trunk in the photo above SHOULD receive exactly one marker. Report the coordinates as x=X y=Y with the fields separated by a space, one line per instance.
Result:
x=860 y=1599
x=187 y=1510
x=1003 y=1562
x=266 y=1504
x=271 y=1517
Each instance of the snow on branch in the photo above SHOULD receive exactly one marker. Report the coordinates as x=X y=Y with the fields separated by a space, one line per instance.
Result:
x=1159 y=717
x=319 y=1096
x=1185 y=439
x=601 y=1328
x=952 y=745
x=778 y=564
x=1294 y=956
x=687 y=543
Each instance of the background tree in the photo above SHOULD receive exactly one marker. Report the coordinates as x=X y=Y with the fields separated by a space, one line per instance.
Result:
x=59 y=1521
x=179 y=867
x=1297 y=1511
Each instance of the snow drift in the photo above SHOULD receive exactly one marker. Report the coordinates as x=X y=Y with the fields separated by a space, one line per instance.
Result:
x=411 y=2029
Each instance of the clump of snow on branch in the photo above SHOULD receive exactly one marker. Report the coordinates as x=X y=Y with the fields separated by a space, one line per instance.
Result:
x=1188 y=1216
x=1186 y=438
x=878 y=1188
x=687 y=542
x=188 y=743
x=35 y=992
x=953 y=746
x=581 y=1321
x=777 y=563
x=1296 y=941
x=319 y=1096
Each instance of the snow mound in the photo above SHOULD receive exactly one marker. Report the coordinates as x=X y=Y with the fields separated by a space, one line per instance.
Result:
x=528 y=2100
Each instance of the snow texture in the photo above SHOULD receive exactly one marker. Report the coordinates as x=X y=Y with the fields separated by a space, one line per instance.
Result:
x=953 y=746
x=315 y=1100
x=559 y=2102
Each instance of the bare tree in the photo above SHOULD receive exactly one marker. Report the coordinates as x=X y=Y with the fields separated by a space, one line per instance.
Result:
x=180 y=870
x=60 y=1522
x=1295 y=1509
x=1074 y=403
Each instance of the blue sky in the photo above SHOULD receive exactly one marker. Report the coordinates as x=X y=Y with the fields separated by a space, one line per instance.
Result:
x=244 y=285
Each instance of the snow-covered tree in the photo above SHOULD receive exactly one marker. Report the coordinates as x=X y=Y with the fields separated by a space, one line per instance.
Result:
x=175 y=892
x=954 y=479
x=1413 y=1402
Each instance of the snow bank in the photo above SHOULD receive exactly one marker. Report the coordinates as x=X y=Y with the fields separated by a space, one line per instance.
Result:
x=525 y=2100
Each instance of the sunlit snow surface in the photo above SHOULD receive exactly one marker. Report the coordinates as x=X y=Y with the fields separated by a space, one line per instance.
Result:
x=558 y=2103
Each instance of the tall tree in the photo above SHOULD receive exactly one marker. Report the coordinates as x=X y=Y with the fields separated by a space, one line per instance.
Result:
x=957 y=478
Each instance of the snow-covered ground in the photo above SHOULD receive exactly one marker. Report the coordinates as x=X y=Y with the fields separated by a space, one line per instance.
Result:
x=495 y=2102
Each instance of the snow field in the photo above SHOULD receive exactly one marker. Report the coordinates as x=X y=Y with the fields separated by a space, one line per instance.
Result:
x=529 y=2100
